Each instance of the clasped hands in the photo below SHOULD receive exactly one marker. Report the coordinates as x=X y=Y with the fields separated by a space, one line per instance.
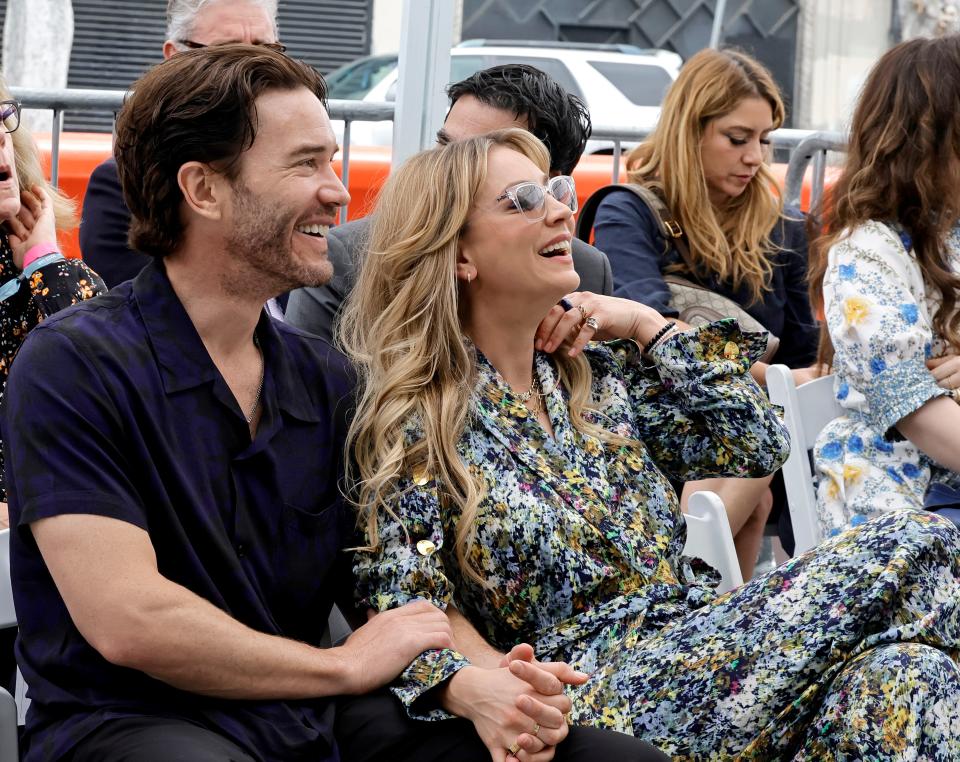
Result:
x=518 y=708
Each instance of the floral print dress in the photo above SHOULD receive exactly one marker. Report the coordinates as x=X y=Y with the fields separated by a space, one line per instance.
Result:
x=845 y=653
x=49 y=290
x=880 y=318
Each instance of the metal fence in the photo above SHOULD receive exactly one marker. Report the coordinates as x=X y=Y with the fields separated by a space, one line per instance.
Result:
x=804 y=146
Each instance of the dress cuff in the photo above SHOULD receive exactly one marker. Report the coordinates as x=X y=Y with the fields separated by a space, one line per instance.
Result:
x=898 y=390
x=424 y=673
x=722 y=344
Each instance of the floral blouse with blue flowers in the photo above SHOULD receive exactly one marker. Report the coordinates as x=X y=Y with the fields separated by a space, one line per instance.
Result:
x=880 y=316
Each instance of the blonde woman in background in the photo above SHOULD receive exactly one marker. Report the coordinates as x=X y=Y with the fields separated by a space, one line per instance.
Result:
x=35 y=279
x=707 y=161
x=516 y=473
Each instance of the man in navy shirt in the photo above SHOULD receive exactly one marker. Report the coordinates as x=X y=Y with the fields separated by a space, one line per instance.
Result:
x=174 y=454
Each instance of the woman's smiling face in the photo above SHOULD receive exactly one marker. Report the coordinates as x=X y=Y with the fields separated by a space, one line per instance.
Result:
x=512 y=252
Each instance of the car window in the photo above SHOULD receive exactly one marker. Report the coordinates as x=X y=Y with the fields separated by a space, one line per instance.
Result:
x=462 y=67
x=644 y=85
x=355 y=80
x=552 y=66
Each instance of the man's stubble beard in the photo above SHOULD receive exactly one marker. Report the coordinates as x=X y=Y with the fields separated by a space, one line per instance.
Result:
x=261 y=247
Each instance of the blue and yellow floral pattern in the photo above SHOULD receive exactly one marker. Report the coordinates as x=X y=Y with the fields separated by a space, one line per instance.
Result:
x=581 y=541
x=880 y=317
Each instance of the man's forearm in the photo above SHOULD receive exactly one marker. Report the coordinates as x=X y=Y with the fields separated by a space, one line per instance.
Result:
x=471 y=643
x=189 y=643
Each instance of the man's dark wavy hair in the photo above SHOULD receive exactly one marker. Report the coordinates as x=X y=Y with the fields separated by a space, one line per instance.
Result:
x=196 y=106
x=559 y=119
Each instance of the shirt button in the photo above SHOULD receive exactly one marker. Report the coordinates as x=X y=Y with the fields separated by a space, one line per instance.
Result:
x=731 y=350
x=425 y=547
x=241 y=550
x=421 y=477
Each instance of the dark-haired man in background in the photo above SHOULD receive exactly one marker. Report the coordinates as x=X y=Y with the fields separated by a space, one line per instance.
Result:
x=512 y=95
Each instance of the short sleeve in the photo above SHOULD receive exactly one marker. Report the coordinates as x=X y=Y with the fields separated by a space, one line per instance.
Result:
x=879 y=323
x=61 y=434
x=407 y=565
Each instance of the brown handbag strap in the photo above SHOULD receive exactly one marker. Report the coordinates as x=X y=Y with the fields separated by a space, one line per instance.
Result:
x=667 y=223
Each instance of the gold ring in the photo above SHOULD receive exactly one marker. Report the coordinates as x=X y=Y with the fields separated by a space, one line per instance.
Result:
x=591 y=323
x=515 y=749
x=536 y=729
x=583 y=313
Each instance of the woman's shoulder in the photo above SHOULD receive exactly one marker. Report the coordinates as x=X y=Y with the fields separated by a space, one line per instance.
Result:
x=872 y=239
x=622 y=201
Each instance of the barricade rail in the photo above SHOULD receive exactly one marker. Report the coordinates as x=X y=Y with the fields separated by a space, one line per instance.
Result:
x=804 y=145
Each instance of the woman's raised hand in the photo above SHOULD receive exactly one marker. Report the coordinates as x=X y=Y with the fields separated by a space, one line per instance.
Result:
x=583 y=317
x=34 y=223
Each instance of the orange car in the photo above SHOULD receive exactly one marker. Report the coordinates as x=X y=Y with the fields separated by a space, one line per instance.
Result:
x=81 y=152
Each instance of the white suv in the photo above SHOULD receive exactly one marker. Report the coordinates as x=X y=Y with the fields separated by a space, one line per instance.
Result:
x=622 y=85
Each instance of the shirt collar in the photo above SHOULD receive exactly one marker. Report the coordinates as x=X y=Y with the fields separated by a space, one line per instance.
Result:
x=182 y=358
x=184 y=362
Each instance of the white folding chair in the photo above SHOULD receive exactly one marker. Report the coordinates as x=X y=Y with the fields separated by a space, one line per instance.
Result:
x=808 y=408
x=8 y=618
x=710 y=539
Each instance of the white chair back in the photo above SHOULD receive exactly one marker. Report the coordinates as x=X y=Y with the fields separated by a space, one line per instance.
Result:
x=8 y=615
x=808 y=408
x=710 y=539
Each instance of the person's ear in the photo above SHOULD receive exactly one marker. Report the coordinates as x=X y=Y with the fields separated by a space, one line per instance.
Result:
x=466 y=269
x=169 y=49
x=204 y=190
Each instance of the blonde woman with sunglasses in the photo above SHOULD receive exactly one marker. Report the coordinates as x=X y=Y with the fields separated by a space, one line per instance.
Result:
x=513 y=465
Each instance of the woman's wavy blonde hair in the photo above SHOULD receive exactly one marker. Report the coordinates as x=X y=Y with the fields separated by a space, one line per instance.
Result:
x=30 y=172
x=733 y=241
x=402 y=329
x=903 y=166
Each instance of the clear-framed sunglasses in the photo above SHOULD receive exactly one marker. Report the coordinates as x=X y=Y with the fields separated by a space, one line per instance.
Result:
x=530 y=199
x=10 y=115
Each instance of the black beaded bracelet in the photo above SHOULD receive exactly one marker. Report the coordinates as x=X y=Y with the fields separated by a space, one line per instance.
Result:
x=657 y=336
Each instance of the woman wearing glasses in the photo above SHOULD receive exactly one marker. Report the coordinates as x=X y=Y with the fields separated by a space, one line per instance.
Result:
x=35 y=279
x=519 y=476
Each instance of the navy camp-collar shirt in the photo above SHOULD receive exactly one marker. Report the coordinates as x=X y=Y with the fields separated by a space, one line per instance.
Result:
x=115 y=408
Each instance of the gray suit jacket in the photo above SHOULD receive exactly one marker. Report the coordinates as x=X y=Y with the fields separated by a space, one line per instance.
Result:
x=316 y=309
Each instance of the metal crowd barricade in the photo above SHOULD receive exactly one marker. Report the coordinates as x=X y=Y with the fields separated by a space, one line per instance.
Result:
x=814 y=146
x=804 y=145
x=85 y=101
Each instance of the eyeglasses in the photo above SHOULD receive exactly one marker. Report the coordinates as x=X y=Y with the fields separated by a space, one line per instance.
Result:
x=530 y=199
x=10 y=115
x=275 y=46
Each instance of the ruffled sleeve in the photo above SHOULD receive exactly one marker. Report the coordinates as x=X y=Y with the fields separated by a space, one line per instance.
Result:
x=407 y=565
x=697 y=408
x=879 y=324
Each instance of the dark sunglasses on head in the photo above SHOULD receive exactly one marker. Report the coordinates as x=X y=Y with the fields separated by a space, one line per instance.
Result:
x=530 y=199
x=276 y=46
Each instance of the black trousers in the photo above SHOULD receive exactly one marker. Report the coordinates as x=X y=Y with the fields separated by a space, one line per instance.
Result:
x=376 y=728
x=369 y=729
